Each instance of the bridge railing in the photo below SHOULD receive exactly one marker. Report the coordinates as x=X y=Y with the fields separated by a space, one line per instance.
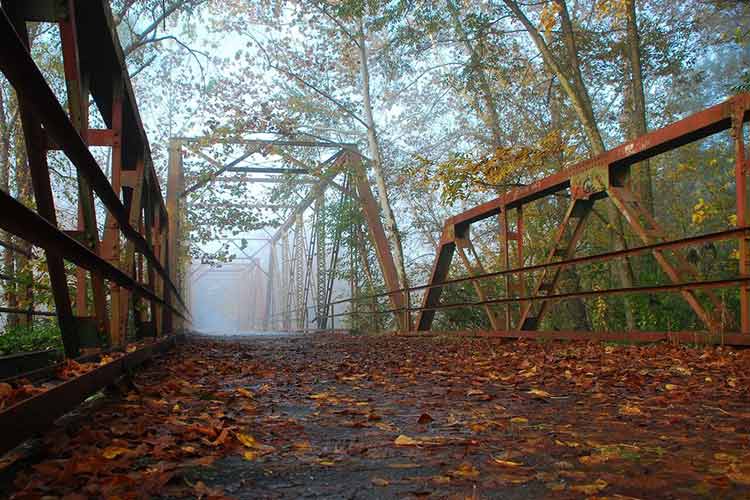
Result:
x=130 y=264
x=519 y=309
x=125 y=287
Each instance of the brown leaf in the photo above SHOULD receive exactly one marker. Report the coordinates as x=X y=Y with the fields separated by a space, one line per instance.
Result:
x=424 y=419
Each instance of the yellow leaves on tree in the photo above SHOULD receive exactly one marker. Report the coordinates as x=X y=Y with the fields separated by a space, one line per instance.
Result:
x=463 y=174
x=548 y=16
x=617 y=9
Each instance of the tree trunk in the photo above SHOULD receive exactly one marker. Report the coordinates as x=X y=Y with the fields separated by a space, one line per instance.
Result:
x=571 y=82
x=8 y=267
x=377 y=163
x=487 y=113
x=24 y=292
x=641 y=171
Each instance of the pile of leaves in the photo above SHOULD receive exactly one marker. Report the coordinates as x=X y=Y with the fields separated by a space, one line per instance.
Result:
x=331 y=416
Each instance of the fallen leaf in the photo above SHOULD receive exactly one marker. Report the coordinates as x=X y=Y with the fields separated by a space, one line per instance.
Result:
x=302 y=446
x=247 y=440
x=249 y=456
x=725 y=457
x=740 y=475
x=630 y=410
x=505 y=463
x=590 y=489
x=379 y=481
x=424 y=419
x=519 y=420
x=403 y=440
x=244 y=392
x=466 y=470
x=113 y=452
x=539 y=393
x=5 y=390
x=221 y=439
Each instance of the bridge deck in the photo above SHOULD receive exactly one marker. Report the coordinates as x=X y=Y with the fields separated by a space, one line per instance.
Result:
x=367 y=417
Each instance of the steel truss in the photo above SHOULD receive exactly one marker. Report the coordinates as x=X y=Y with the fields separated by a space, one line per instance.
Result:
x=599 y=178
x=130 y=264
x=299 y=279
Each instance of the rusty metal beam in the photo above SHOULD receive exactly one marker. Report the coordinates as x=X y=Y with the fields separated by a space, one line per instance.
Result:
x=270 y=142
x=602 y=257
x=30 y=226
x=688 y=337
x=28 y=417
x=378 y=237
x=21 y=71
x=689 y=129
x=334 y=165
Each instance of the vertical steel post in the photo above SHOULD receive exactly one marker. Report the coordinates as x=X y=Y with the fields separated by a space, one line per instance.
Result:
x=320 y=260
x=299 y=270
x=286 y=277
x=175 y=186
x=741 y=177
x=270 y=288
x=111 y=245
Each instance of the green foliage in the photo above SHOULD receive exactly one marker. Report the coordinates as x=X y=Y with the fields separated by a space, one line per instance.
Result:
x=43 y=335
x=744 y=85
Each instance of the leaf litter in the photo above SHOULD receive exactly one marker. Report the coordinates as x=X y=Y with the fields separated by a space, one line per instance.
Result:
x=331 y=415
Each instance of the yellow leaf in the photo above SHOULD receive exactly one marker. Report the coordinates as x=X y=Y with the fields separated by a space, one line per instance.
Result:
x=466 y=470
x=320 y=395
x=247 y=440
x=539 y=393
x=630 y=410
x=403 y=440
x=113 y=452
x=379 y=481
x=590 y=489
x=244 y=392
x=505 y=463
x=670 y=387
x=519 y=420
x=403 y=466
x=250 y=456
